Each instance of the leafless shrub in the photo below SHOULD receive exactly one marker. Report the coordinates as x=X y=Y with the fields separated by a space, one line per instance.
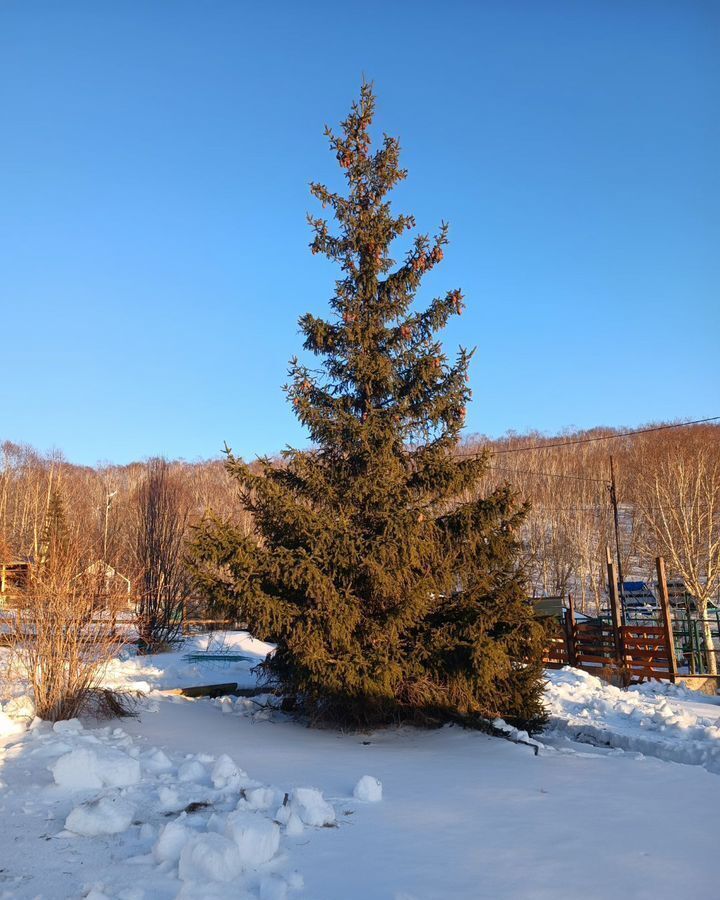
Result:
x=163 y=580
x=59 y=638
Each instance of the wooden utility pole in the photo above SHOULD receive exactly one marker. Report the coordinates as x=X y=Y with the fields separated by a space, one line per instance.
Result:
x=666 y=617
x=615 y=613
x=108 y=501
x=613 y=498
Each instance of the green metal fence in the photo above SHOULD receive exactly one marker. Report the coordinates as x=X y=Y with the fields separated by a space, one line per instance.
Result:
x=696 y=637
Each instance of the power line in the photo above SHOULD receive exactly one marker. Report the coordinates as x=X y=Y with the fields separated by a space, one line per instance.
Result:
x=548 y=474
x=608 y=437
x=625 y=507
x=590 y=440
x=593 y=509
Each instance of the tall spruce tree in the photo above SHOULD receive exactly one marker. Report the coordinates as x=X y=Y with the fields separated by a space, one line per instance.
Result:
x=391 y=588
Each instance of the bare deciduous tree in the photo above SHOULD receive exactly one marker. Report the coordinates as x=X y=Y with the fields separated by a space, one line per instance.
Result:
x=564 y=536
x=163 y=582
x=681 y=511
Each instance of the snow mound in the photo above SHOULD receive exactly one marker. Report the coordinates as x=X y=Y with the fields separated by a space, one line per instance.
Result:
x=169 y=799
x=68 y=726
x=171 y=841
x=309 y=806
x=192 y=771
x=84 y=768
x=260 y=797
x=369 y=789
x=209 y=857
x=20 y=707
x=9 y=726
x=294 y=826
x=107 y=815
x=157 y=761
x=257 y=838
x=226 y=775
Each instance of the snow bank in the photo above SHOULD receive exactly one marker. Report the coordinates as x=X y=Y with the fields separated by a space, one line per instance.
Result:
x=659 y=720
x=172 y=670
x=368 y=789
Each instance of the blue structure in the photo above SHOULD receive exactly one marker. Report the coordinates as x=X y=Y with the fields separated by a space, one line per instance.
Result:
x=638 y=593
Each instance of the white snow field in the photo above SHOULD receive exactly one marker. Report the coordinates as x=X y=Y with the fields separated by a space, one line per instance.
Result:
x=230 y=798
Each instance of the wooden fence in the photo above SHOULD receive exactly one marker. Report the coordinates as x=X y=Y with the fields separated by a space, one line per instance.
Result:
x=646 y=653
x=607 y=646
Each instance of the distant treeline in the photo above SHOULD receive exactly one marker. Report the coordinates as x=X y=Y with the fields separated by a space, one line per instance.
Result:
x=668 y=492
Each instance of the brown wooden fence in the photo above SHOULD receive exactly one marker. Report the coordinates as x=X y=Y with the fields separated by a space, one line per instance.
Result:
x=630 y=653
x=646 y=653
x=594 y=645
x=556 y=651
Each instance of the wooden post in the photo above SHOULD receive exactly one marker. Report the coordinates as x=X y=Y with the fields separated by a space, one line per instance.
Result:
x=666 y=616
x=616 y=517
x=616 y=615
x=570 y=631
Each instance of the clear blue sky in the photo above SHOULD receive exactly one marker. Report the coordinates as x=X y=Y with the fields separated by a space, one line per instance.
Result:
x=154 y=164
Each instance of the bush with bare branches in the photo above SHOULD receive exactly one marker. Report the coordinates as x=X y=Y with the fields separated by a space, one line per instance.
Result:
x=61 y=639
x=163 y=579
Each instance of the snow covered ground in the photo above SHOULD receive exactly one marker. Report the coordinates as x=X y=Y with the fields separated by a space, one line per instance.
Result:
x=657 y=719
x=172 y=670
x=228 y=798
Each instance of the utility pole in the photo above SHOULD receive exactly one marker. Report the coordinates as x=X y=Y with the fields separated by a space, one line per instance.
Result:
x=613 y=498
x=108 y=501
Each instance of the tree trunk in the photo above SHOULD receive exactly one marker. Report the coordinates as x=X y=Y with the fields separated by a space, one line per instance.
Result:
x=710 y=655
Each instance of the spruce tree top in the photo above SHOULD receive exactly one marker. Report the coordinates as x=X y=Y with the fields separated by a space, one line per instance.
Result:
x=385 y=381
